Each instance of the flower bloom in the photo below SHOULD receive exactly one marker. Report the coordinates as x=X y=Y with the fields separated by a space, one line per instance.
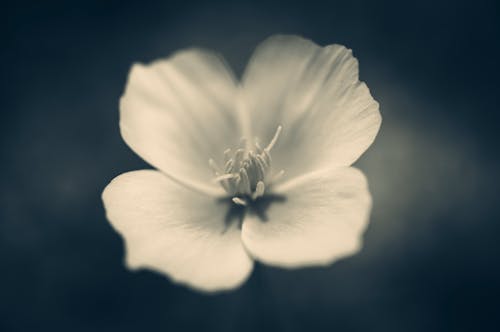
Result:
x=251 y=170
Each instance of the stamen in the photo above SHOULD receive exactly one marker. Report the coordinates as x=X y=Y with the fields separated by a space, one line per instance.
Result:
x=245 y=182
x=224 y=177
x=228 y=168
x=267 y=157
x=239 y=201
x=275 y=139
x=236 y=184
x=223 y=183
x=259 y=190
x=238 y=157
x=227 y=155
x=246 y=172
x=259 y=167
x=262 y=162
x=248 y=166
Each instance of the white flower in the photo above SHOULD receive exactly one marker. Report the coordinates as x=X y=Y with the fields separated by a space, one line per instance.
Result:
x=218 y=202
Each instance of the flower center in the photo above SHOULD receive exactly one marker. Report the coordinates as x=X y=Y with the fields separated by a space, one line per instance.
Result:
x=247 y=172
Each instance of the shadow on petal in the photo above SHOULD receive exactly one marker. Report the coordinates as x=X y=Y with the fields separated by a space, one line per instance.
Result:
x=236 y=213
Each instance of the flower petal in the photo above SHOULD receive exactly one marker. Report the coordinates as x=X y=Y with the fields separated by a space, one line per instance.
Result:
x=328 y=115
x=175 y=231
x=320 y=220
x=178 y=112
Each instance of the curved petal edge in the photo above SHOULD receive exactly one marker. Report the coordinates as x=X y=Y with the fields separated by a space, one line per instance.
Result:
x=321 y=219
x=176 y=232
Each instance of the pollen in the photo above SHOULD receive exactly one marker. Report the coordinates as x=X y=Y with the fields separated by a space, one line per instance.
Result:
x=247 y=170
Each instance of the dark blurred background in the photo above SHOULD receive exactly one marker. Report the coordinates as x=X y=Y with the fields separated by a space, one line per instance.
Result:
x=430 y=259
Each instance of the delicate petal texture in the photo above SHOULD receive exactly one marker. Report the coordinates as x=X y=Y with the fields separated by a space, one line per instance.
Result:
x=175 y=231
x=328 y=115
x=179 y=112
x=321 y=220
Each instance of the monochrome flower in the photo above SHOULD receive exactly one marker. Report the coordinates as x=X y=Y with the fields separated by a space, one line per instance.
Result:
x=256 y=169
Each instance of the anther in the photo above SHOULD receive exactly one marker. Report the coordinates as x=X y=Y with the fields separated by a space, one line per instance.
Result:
x=259 y=190
x=239 y=201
